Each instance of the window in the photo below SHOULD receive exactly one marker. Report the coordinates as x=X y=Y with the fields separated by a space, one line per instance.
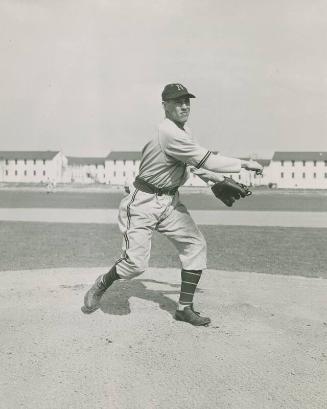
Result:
x=34 y=161
x=7 y=173
x=281 y=163
x=303 y=175
x=314 y=163
x=16 y=173
x=16 y=161
x=325 y=162
x=314 y=175
x=293 y=163
x=124 y=162
x=34 y=172
x=114 y=173
x=134 y=174
x=124 y=173
x=292 y=175
x=115 y=162
x=133 y=162
x=282 y=175
x=325 y=175
x=303 y=162
x=239 y=177
x=25 y=173
x=7 y=162
x=43 y=161
x=43 y=173
x=25 y=161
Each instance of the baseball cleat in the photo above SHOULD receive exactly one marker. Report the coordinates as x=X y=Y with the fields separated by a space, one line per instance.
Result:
x=93 y=296
x=191 y=316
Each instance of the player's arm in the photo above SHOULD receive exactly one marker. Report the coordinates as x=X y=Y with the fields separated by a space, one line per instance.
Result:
x=207 y=175
x=179 y=145
x=221 y=164
x=215 y=164
x=224 y=164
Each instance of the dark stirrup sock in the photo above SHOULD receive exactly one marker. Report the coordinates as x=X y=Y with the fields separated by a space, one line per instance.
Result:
x=190 y=279
x=108 y=278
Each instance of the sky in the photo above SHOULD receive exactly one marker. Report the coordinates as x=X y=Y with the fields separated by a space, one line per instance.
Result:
x=85 y=77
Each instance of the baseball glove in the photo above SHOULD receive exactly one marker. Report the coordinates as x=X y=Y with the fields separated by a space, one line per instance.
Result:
x=228 y=191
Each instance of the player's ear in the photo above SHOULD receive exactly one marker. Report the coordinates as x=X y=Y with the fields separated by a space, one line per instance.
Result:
x=164 y=105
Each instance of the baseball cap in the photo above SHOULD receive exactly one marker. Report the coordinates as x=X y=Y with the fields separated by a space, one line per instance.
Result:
x=173 y=91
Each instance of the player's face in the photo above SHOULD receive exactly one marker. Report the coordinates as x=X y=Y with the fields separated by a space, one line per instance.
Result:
x=178 y=110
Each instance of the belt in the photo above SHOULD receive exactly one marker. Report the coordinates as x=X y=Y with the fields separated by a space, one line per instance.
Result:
x=147 y=187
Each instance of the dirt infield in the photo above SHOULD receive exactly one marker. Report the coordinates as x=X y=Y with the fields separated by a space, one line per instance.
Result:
x=265 y=349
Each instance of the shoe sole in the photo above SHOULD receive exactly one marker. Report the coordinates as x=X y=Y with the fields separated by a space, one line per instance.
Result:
x=194 y=325
x=86 y=310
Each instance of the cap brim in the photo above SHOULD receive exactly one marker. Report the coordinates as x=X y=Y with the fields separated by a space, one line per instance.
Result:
x=187 y=94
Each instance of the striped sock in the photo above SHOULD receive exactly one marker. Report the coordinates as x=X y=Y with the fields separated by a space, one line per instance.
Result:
x=108 y=278
x=190 y=279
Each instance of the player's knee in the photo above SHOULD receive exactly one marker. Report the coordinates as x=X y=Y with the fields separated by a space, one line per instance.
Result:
x=136 y=268
x=202 y=245
x=127 y=273
x=139 y=265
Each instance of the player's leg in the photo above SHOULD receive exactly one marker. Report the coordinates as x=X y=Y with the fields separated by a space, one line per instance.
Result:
x=137 y=227
x=93 y=295
x=181 y=229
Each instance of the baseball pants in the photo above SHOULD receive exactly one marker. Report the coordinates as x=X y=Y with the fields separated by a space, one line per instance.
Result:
x=140 y=214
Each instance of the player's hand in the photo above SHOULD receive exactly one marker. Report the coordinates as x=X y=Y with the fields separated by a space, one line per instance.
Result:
x=253 y=165
x=207 y=175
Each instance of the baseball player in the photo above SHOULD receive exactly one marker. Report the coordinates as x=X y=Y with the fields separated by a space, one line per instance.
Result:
x=153 y=204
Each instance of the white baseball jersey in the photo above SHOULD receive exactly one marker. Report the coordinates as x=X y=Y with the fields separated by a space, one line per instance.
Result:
x=165 y=158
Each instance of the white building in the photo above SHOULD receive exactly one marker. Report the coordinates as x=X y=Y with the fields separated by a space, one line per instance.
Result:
x=121 y=167
x=84 y=170
x=299 y=170
x=32 y=166
x=284 y=170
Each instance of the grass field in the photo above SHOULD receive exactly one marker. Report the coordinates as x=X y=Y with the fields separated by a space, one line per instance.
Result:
x=262 y=199
x=274 y=250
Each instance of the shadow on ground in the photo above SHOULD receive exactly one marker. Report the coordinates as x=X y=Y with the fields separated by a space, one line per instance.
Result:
x=116 y=300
